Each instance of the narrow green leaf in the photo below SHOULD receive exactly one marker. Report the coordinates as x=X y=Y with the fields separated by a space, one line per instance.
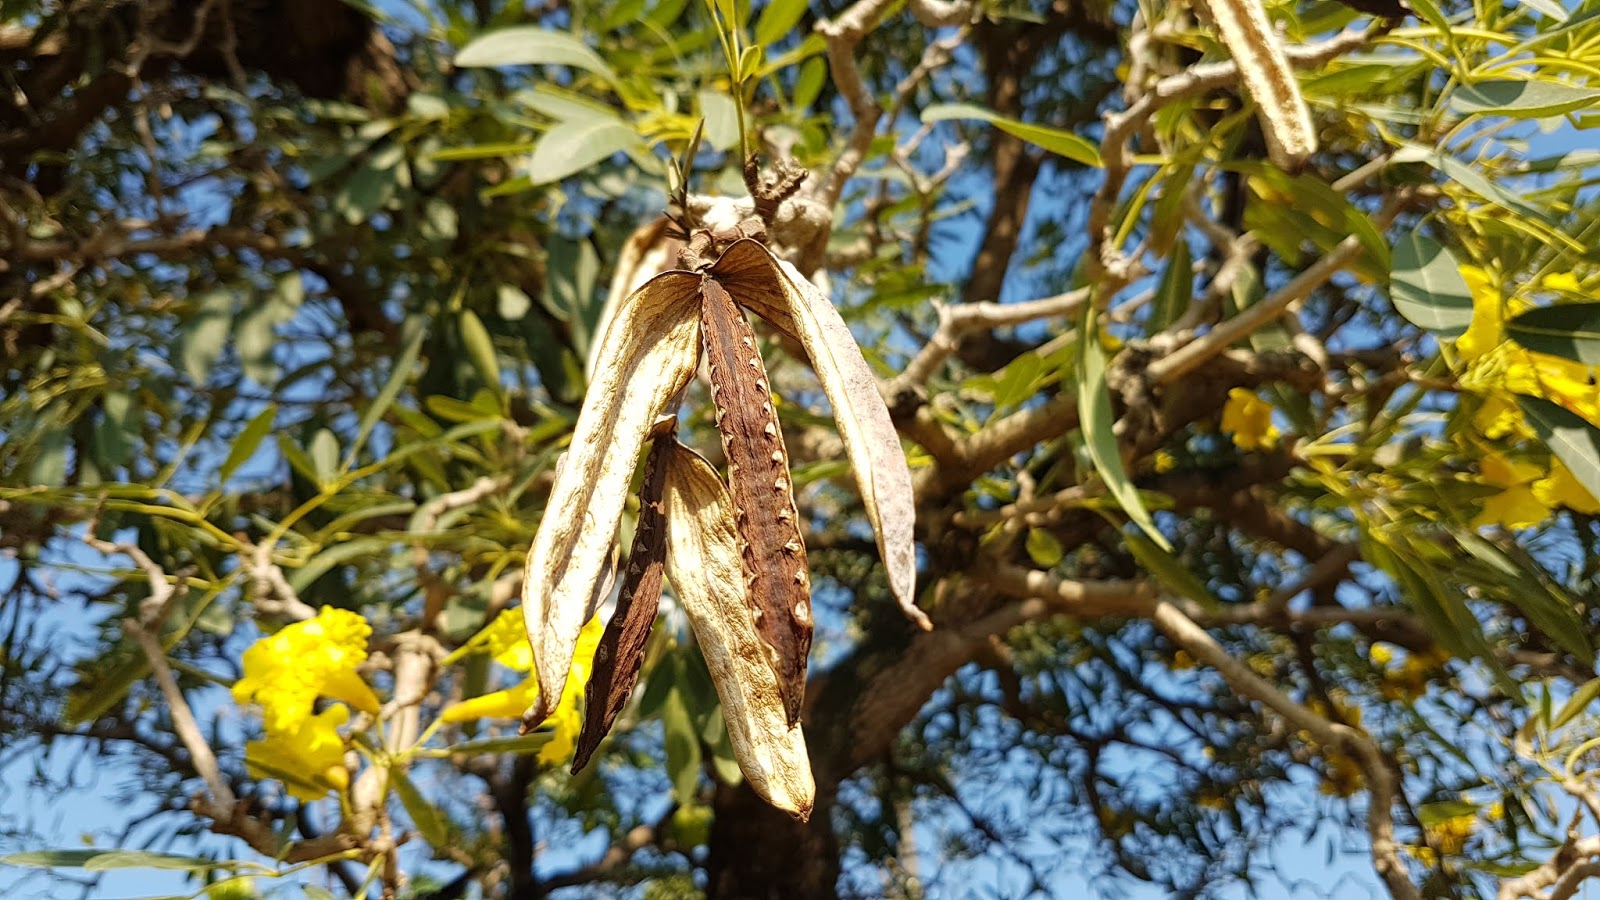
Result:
x=1056 y=140
x=530 y=743
x=317 y=892
x=203 y=334
x=249 y=440
x=532 y=45
x=1577 y=703
x=1469 y=178
x=338 y=554
x=808 y=85
x=482 y=151
x=399 y=375
x=1169 y=570
x=777 y=19
x=1522 y=99
x=144 y=859
x=427 y=817
x=1546 y=606
x=1427 y=288
x=480 y=348
x=1095 y=418
x=1568 y=330
x=1572 y=439
x=682 y=747
x=44 y=859
x=571 y=147
x=1176 y=289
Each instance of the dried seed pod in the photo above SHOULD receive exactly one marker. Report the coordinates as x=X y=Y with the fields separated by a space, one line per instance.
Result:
x=647 y=353
x=779 y=585
x=620 y=652
x=703 y=562
x=778 y=293
x=1263 y=65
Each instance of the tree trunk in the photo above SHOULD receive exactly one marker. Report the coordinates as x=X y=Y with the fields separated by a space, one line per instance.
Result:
x=761 y=853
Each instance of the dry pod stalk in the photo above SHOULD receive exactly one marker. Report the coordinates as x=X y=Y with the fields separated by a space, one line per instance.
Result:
x=1264 y=66
x=732 y=550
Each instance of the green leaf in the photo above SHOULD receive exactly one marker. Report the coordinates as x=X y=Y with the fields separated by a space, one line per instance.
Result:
x=1056 y=140
x=1572 y=439
x=722 y=119
x=249 y=440
x=337 y=554
x=372 y=185
x=528 y=743
x=1427 y=288
x=532 y=45
x=399 y=375
x=482 y=151
x=324 y=453
x=427 y=817
x=777 y=19
x=1546 y=607
x=1175 y=290
x=46 y=859
x=106 y=860
x=1169 y=570
x=1568 y=330
x=511 y=303
x=1095 y=418
x=480 y=348
x=316 y=892
x=809 y=83
x=1577 y=703
x=572 y=271
x=203 y=333
x=49 y=467
x=144 y=859
x=1044 y=548
x=571 y=147
x=1469 y=178
x=1522 y=99
x=682 y=746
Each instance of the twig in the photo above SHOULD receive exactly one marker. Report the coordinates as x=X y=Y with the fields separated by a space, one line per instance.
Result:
x=955 y=321
x=1189 y=357
x=152 y=613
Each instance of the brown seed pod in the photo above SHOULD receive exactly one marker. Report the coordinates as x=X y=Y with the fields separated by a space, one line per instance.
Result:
x=774 y=554
x=620 y=652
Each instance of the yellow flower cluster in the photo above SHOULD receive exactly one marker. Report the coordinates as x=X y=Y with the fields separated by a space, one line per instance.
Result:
x=1499 y=367
x=1249 y=419
x=1528 y=493
x=285 y=673
x=503 y=638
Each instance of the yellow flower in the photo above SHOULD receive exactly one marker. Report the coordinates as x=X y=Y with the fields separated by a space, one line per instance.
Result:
x=308 y=757
x=1449 y=836
x=1249 y=419
x=1516 y=506
x=1497 y=365
x=1163 y=461
x=567 y=719
x=286 y=672
x=1561 y=281
x=1562 y=488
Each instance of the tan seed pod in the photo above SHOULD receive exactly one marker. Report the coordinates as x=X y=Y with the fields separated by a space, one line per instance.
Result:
x=707 y=573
